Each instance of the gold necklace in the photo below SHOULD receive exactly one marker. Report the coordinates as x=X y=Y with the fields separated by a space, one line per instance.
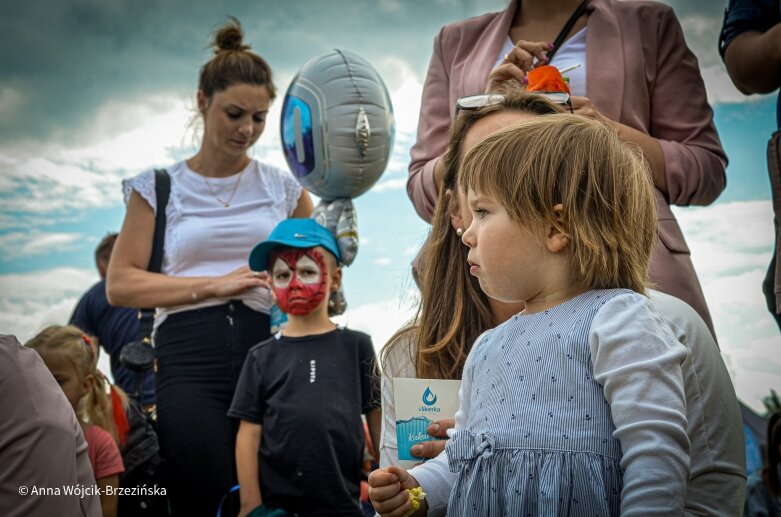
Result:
x=226 y=203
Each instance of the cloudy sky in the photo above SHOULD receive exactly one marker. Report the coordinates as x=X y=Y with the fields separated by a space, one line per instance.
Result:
x=94 y=91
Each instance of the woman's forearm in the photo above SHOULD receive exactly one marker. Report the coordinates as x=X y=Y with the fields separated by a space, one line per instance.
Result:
x=753 y=61
x=129 y=287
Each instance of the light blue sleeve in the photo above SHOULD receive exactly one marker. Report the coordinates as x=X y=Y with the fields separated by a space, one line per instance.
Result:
x=435 y=476
x=638 y=360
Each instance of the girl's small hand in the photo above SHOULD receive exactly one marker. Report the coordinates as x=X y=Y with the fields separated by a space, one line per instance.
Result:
x=238 y=281
x=388 y=491
x=517 y=63
x=582 y=106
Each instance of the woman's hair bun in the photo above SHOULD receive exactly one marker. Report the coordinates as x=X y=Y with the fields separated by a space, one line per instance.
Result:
x=229 y=37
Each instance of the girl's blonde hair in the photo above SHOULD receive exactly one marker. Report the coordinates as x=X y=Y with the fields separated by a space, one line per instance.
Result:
x=604 y=186
x=82 y=352
x=454 y=311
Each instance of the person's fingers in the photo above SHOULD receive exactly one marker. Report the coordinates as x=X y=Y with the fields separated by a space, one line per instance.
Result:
x=404 y=477
x=522 y=59
x=529 y=50
x=439 y=428
x=399 y=506
x=384 y=493
x=504 y=73
x=428 y=449
x=582 y=106
x=538 y=49
x=579 y=102
x=381 y=477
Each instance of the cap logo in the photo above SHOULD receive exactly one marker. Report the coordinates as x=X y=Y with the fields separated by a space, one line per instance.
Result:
x=299 y=236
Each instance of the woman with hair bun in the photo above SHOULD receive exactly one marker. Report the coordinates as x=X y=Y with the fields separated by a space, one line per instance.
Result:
x=211 y=308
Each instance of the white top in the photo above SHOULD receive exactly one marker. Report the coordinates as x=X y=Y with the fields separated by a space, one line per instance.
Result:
x=717 y=478
x=205 y=238
x=571 y=52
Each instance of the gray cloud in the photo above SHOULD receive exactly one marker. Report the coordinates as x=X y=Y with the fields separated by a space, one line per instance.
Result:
x=72 y=57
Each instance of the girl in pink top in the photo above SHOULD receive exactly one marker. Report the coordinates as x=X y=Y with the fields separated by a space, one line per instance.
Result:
x=72 y=358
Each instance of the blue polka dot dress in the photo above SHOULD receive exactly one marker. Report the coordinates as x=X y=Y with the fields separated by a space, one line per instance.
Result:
x=538 y=439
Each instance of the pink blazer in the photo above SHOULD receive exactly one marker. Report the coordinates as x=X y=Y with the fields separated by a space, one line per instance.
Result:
x=639 y=72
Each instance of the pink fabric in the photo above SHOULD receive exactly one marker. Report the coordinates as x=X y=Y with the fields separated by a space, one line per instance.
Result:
x=103 y=452
x=639 y=72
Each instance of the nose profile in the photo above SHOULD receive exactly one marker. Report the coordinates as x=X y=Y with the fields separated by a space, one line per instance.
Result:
x=468 y=236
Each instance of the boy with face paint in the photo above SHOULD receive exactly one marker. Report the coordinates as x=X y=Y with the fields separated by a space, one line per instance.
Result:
x=304 y=389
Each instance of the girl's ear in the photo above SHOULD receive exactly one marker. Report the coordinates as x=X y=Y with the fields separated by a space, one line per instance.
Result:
x=454 y=210
x=87 y=384
x=557 y=238
x=336 y=279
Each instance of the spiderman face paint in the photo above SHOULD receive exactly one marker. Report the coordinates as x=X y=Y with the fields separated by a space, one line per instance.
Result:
x=299 y=280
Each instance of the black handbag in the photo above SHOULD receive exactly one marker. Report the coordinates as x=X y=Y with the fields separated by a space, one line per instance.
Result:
x=139 y=356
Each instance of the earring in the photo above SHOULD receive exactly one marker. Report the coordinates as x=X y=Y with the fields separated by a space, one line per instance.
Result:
x=459 y=231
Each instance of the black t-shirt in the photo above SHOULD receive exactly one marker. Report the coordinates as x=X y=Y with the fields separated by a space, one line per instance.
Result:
x=308 y=394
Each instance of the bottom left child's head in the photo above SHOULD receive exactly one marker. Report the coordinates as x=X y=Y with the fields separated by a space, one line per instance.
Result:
x=71 y=356
x=302 y=259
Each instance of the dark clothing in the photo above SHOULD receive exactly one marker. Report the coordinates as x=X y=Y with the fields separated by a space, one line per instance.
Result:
x=759 y=16
x=114 y=327
x=143 y=466
x=199 y=358
x=308 y=393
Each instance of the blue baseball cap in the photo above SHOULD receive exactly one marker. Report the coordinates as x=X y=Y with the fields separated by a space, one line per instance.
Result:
x=295 y=233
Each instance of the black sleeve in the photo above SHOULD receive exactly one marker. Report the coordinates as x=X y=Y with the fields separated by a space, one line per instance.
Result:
x=249 y=397
x=370 y=379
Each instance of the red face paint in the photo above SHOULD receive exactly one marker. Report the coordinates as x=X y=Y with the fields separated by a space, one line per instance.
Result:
x=299 y=280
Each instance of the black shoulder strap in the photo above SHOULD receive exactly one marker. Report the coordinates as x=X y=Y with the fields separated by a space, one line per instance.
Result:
x=162 y=191
x=566 y=29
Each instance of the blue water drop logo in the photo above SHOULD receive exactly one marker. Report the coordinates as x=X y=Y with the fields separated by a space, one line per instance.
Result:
x=429 y=398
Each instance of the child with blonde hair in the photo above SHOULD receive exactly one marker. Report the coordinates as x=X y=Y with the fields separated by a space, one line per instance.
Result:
x=72 y=358
x=575 y=406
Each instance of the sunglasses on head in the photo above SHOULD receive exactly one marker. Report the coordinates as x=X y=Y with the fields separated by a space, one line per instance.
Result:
x=473 y=102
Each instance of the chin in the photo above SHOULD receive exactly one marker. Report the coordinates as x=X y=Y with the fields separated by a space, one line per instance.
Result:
x=499 y=296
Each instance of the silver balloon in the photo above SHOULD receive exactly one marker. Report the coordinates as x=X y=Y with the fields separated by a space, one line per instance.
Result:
x=337 y=125
x=339 y=218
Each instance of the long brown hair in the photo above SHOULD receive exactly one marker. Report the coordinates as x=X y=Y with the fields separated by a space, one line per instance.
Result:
x=454 y=311
x=604 y=186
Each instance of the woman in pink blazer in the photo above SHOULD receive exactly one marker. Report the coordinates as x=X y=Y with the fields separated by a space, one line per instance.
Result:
x=640 y=77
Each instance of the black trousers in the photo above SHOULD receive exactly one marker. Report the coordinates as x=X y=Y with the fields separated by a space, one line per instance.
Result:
x=200 y=354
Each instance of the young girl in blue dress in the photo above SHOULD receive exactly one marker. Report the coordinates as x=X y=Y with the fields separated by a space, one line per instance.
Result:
x=574 y=406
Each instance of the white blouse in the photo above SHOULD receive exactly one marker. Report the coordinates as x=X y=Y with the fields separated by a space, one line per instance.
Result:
x=205 y=238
